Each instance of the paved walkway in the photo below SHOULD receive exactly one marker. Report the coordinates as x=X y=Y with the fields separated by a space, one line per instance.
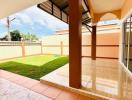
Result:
x=16 y=87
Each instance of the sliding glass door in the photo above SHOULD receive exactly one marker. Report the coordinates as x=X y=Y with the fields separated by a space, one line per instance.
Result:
x=127 y=43
x=130 y=47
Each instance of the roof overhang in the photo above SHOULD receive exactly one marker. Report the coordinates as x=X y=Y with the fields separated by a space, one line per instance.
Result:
x=93 y=10
x=60 y=9
x=8 y=7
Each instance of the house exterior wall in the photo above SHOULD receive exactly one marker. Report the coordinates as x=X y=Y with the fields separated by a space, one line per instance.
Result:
x=107 y=44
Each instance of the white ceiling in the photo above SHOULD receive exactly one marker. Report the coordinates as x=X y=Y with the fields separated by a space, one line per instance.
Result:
x=100 y=6
x=8 y=7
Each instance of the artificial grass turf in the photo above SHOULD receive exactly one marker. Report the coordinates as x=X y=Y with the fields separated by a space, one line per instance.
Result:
x=34 y=70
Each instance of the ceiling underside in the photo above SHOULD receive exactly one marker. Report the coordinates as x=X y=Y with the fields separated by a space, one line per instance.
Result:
x=101 y=6
x=60 y=9
x=8 y=7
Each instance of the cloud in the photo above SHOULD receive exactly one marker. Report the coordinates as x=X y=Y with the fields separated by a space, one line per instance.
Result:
x=41 y=22
x=35 y=20
x=3 y=22
x=24 y=18
x=36 y=15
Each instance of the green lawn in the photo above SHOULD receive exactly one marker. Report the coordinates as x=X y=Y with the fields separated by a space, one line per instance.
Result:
x=34 y=66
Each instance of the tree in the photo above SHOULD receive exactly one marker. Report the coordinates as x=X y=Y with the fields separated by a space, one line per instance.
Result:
x=15 y=35
x=5 y=38
x=29 y=37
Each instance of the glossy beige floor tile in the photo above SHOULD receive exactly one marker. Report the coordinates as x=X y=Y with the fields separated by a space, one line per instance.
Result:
x=103 y=77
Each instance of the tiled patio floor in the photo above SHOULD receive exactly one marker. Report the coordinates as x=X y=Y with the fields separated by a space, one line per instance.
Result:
x=16 y=87
x=103 y=77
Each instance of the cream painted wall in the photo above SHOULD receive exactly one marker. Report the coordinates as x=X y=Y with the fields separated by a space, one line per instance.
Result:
x=10 y=52
x=7 y=52
x=32 y=50
x=52 y=50
x=102 y=39
x=55 y=40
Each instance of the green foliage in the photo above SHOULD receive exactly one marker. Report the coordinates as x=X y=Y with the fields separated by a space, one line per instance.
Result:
x=28 y=36
x=32 y=70
x=15 y=35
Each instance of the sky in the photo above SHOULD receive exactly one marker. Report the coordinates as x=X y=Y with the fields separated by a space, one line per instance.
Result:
x=33 y=20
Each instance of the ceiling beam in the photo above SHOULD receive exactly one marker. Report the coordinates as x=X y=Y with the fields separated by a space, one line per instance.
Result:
x=86 y=3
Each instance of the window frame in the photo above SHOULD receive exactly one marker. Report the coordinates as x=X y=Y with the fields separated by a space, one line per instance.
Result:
x=124 y=31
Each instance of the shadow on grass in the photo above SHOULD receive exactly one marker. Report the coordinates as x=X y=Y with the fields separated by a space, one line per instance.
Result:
x=32 y=71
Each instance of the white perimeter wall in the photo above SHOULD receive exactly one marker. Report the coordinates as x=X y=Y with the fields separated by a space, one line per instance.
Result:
x=10 y=52
x=7 y=52
x=109 y=38
x=32 y=50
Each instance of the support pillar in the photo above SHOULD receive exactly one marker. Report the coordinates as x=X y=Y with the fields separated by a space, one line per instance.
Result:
x=61 y=47
x=41 y=44
x=93 y=41
x=75 y=21
x=23 y=48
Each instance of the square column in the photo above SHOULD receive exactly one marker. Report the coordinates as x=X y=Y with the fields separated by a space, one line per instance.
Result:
x=75 y=24
x=93 y=43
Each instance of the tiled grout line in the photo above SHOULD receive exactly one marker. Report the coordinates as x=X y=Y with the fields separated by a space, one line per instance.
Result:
x=41 y=92
x=55 y=97
x=38 y=92
x=58 y=95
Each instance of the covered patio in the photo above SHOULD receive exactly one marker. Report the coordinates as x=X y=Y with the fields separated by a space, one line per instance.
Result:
x=102 y=78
